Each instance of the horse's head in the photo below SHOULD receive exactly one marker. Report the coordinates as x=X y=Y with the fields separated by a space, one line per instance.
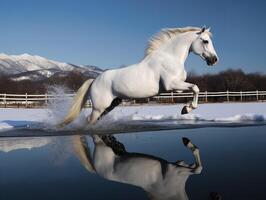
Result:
x=203 y=47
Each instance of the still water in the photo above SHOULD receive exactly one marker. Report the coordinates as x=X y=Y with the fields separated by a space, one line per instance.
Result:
x=62 y=167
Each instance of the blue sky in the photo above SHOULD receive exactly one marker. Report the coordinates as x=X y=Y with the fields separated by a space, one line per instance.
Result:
x=114 y=33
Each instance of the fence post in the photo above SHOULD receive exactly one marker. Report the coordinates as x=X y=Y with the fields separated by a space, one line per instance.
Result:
x=5 y=100
x=26 y=95
x=241 y=96
x=172 y=96
x=257 y=94
x=206 y=96
x=46 y=98
x=227 y=95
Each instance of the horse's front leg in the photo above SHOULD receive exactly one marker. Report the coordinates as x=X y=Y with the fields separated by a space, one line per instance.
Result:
x=180 y=85
x=194 y=104
x=197 y=167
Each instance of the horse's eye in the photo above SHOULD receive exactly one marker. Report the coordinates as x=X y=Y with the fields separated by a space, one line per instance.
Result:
x=205 y=41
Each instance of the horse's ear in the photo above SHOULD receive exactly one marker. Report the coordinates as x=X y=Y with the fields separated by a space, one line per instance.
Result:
x=208 y=29
x=202 y=30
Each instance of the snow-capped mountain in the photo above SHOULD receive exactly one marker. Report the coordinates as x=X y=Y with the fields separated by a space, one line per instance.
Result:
x=14 y=64
x=36 y=75
x=33 y=67
x=23 y=143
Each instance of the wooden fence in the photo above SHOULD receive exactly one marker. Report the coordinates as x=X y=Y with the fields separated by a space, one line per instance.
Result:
x=32 y=100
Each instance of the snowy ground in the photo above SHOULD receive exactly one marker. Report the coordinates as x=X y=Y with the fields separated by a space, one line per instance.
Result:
x=135 y=118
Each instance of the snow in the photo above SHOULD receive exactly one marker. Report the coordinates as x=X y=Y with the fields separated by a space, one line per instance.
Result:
x=34 y=67
x=136 y=118
x=11 y=144
x=13 y=64
x=6 y=126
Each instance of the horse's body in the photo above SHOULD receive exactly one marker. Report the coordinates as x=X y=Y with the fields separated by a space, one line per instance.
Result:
x=162 y=69
x=159 y=178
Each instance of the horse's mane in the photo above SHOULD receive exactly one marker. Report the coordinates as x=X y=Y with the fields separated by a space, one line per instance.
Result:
x=165 y=35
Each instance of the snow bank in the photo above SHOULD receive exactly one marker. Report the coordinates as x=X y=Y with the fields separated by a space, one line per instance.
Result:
x=5 y=126
x=11 y=144
x=136 y=118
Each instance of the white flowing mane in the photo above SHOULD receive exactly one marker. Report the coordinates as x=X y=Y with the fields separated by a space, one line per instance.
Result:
x=165 y=35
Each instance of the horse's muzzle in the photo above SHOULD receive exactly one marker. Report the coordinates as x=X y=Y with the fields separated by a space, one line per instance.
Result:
x=211 y=60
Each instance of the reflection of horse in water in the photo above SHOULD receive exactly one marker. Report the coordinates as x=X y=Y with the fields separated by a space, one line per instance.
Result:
x=159 y=178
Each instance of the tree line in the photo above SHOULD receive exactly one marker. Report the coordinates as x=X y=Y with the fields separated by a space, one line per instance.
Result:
x=72 y=82
x=232 y=80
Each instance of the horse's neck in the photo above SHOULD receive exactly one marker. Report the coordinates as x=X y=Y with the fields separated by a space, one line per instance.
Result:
x=175 y=52
x=180 y=46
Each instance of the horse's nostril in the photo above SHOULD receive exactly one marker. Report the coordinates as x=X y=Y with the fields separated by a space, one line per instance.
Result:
x=215 y=59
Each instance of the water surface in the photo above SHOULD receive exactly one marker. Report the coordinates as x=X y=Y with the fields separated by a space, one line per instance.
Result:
x=233 y=159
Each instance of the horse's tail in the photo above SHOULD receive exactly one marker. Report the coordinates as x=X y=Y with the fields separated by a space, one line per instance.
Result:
x=82 y=150
x=78 y=102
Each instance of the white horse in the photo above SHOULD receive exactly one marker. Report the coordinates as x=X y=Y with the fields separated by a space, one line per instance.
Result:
x=162 y=69
x=159 y=178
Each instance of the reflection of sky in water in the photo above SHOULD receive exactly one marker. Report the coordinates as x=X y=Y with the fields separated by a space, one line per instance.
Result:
x=233 y=165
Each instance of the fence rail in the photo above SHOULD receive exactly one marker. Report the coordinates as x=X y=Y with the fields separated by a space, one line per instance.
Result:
x=31 y=100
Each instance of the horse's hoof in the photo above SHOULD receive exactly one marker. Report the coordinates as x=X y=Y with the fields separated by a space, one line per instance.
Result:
x=184 y=110
x=215 y=196
x=185 y=141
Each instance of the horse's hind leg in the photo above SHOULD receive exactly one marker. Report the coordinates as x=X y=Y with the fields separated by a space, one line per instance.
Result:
x=114 y=144
x=114 y=103
x=98 y=114
x=95 y=115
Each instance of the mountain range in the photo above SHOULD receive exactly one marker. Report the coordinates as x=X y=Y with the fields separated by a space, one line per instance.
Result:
x=36 y=68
